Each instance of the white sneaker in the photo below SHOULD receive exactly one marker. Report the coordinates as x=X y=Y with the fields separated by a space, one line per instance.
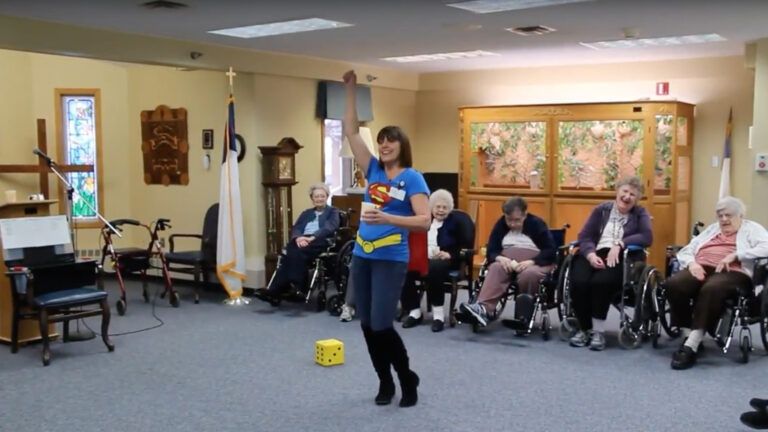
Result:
x=347 y=313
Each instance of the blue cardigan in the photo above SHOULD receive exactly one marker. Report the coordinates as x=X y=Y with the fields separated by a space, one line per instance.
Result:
x=448 y=237
x=328 y=222
x=535 y=228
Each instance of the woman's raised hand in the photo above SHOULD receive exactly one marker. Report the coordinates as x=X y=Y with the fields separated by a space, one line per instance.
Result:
x=350 y=78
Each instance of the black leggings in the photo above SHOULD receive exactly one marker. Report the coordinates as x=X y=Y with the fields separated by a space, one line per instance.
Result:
x=593 y=290
x=435 y=280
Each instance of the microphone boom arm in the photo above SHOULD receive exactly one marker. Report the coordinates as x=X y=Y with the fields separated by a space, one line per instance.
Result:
x=52 y=165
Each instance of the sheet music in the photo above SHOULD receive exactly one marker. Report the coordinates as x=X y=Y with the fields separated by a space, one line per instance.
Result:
x=16 y=233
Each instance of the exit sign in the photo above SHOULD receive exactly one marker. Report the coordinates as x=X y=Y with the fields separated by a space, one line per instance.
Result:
x=662 y=88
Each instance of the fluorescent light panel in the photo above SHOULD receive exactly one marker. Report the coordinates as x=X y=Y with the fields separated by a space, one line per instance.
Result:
x=278 y=28
x=440 y=56
x=655 y=42
x=492 y=6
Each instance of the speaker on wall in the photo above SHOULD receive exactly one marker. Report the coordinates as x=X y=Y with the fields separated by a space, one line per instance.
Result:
x=331 y=98
x=447 y=181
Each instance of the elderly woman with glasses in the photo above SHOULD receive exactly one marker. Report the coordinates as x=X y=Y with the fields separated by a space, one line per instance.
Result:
x=308 y=240
x=716 y=264
x=596 y=275
x=520 y=244
x=443 y=252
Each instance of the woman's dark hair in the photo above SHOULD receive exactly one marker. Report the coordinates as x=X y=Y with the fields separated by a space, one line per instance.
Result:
x=514 y=203
x=394 y=133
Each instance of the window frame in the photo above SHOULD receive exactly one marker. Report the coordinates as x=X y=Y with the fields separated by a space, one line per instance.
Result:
x=64 y=204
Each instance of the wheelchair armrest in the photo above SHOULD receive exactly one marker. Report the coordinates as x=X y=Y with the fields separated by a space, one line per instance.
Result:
x=466 y=253
x=173 y=236
x=634 y=248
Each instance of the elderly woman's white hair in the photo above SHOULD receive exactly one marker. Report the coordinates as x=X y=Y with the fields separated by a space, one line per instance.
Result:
x=441 y=196
x=317 y=186
x=734 y=205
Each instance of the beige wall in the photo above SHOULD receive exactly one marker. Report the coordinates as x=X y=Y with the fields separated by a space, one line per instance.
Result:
x=759 y=208
x=268 y=108
x=713 y=85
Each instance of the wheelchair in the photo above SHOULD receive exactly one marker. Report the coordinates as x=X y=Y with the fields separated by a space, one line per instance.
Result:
x=639 y=281
x=544 y=299
x=330 y=266
x=742 y=311
x=133 y=259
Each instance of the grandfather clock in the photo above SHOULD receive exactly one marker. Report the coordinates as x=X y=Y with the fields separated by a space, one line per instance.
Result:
x=278 y=171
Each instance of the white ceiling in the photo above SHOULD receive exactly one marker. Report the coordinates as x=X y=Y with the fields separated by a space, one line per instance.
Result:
x=388 y=28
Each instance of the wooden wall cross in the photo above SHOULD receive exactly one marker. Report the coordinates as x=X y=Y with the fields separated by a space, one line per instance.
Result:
x=42 y=167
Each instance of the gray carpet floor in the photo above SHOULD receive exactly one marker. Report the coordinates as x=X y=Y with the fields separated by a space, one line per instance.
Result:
x=212 y=367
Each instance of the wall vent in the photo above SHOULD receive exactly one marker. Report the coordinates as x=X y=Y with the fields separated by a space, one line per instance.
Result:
x=531 y=30
x=164 y=4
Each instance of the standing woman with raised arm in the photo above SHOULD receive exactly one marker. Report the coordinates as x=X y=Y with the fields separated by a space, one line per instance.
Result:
x=396 y=201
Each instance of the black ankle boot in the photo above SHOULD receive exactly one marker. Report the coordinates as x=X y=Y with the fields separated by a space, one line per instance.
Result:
x=408 y=384
x=409 y=381
x=381 y=363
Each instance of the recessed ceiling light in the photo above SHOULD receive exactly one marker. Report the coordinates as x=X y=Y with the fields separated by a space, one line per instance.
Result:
x=439 y=56
x=278 y=28
x=655 y=42
x=491 y=6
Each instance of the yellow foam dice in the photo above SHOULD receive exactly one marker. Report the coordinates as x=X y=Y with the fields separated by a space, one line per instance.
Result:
x=329 y=352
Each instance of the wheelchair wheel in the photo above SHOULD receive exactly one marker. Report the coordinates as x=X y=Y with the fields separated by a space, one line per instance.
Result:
x=745 y=347
x=321 y=301
x=343 y=260
x=175 y=299
x=655 y=333
x=120 y=305
x=763 y=335
x=545 y=327
x=568 y=328
x=665 y=314
x=334 y=304
x=629 y=338
x=563 y=303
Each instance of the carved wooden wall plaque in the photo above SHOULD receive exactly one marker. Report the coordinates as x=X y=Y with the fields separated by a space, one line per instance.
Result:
x=165 y=146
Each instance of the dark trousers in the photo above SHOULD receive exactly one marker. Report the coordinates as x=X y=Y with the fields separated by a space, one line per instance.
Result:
x=293 y=266
x=377 y=285
x=699 y=304
x=593 y=290
x=435 y=281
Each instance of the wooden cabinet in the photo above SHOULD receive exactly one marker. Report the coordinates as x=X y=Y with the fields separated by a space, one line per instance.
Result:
x=278 y=178
x=564 y=159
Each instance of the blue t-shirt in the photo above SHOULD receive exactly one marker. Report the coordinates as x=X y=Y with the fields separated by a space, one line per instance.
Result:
x=388 y=242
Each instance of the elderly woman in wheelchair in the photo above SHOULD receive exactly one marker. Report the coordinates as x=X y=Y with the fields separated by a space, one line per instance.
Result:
x=598 y=273
x=520 y=247
x=309 y=238
x=716 y=266
x=443 y=251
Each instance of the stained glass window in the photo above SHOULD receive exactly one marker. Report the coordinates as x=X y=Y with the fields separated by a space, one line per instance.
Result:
x=80 y=148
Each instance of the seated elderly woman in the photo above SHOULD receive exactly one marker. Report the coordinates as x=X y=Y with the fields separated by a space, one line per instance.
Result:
x=308 y=240
x=520 y=243
x=596 y=273
x=443 y=253
x=716 y=265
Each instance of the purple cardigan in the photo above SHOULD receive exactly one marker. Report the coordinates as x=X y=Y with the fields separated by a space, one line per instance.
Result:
x=637 y=230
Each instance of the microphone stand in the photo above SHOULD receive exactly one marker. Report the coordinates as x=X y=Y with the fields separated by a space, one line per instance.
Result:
x=77 y=335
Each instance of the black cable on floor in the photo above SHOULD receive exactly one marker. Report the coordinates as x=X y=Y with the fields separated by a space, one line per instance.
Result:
x=154 y=314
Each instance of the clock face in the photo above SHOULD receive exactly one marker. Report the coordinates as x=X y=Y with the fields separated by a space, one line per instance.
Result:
x=284 y=168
